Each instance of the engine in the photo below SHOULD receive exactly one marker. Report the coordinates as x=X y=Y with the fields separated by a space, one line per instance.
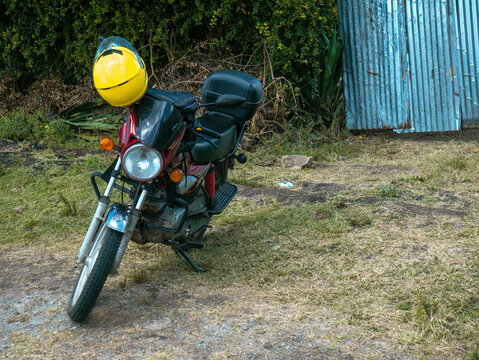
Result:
x=161 y=215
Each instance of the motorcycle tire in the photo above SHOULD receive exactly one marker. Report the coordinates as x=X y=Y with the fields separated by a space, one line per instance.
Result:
x=94 y=272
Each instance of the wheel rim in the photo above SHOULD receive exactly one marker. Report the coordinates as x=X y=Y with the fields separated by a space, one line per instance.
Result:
x=89 y=264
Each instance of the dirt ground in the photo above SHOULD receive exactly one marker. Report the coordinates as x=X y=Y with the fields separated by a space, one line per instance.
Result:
x=173 y=319
x=159 y=321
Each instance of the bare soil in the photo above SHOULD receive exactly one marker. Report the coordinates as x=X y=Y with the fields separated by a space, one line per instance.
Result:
x=141 y=321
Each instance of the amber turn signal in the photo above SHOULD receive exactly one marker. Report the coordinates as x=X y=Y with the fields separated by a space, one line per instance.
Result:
x=176 y=175
x=107 y=144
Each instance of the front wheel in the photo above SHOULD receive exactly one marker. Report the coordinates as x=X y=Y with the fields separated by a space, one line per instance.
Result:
x=94 y=272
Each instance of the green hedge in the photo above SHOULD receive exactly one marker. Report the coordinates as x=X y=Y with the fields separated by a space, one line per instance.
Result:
x=46 y=38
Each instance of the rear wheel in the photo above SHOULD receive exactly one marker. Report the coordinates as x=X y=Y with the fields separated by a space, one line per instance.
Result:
x=94 y=272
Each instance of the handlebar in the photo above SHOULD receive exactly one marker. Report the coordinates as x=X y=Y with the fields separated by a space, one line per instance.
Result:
x=208 y=132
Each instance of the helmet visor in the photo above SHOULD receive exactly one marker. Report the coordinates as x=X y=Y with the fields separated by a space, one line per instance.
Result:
x=116 y=41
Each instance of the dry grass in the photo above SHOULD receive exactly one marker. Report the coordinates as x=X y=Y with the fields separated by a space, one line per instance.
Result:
x=395 y=261
x=186 y=72
x=189 y=71
x=50 y=95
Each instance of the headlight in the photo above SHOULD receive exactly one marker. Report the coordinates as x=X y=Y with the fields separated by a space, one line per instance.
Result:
x=142 y=163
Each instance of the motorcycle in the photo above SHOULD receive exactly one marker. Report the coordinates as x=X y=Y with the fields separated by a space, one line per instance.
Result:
x=172 y=174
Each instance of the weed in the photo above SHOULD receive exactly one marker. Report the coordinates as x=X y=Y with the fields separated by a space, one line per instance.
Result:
x=389 y=191
x=404 y=306
x=31 y=224
x=70 y=208
x=426 y=309
x=18 y=127
x=339 y=203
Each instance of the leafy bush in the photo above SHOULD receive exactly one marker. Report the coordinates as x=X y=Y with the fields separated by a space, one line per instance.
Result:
x=49 y=37
x=291 y=41
x=92 y=116
x=34 y=127
x=323 y=93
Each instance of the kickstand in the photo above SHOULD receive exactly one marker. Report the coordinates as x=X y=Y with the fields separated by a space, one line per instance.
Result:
x=180 y=252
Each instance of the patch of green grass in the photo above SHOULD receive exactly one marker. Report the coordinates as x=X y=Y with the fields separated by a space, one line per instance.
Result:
x=359 y=219
x=404 y=306
x=457 y=163
x=413 y=179
x=44 y=216
x=96 y=163
x=425 y=313
x=249 y=182
x=474 y=354
x=306 y=141
x=35 y=127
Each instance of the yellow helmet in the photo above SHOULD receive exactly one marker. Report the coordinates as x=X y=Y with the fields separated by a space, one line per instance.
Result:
x=119 y=72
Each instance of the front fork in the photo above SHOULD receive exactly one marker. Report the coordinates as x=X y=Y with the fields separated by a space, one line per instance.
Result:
x=133 y=220
x=130 y=221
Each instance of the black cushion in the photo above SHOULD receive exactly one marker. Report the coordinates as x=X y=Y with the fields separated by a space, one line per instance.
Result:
x=204 y=152
x=236 y=83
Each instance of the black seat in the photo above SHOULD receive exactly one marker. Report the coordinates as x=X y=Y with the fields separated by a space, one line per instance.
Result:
x=204 y=152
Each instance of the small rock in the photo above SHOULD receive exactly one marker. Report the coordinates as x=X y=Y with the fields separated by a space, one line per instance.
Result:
x=296 y=162
x=246 y=144
x=19 y=209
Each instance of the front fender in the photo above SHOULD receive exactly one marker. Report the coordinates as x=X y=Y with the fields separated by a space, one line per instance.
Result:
x=118 y=217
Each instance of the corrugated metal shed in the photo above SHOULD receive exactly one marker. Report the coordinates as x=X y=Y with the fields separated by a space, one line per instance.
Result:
x=376 y=92
x=435 y=100
x=467 y=25
x=402 y=67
